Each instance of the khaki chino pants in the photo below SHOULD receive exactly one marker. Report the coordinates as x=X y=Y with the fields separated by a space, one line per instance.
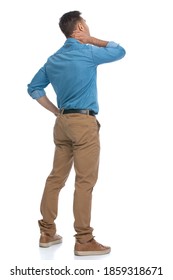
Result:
x=76 y=138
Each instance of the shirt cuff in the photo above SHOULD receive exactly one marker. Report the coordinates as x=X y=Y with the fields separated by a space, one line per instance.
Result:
x=36 y=94
x=112 y=44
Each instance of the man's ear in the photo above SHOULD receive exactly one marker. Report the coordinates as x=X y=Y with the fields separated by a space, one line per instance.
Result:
x=80 y=26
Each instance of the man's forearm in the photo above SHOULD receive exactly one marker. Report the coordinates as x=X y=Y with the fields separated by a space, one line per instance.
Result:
x=97 y=42
x=84 y=38
x=47 y=104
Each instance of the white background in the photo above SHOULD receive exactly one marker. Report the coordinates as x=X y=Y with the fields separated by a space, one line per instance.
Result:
x=132 y=201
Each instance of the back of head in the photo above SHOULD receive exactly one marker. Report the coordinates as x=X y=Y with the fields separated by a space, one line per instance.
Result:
x=68 y=22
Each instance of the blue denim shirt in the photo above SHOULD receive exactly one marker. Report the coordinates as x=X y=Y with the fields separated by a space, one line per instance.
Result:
x=72 y=71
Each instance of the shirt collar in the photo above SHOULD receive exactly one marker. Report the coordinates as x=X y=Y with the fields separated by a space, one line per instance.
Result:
x=71 y=41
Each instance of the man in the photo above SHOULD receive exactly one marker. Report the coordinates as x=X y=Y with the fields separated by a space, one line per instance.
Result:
x=72 y=73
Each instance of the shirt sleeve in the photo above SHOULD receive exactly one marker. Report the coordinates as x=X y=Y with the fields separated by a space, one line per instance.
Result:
x=38 y=83
x=110 y=53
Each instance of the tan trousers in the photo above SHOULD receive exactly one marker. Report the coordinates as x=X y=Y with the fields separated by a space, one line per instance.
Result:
x=76 y=137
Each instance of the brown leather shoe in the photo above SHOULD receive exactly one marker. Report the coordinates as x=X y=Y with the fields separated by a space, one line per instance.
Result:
x=91 y=248
x=47 y=240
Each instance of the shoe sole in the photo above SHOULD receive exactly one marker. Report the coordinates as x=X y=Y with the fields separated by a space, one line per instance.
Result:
x=92 y=253
x=46 y=245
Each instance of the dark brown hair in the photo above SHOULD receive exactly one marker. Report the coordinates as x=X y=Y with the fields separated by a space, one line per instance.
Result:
x=68 y=22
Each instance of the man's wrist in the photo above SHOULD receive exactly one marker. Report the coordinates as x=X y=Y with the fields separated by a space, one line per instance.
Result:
x=57 y=112
x=97 y=42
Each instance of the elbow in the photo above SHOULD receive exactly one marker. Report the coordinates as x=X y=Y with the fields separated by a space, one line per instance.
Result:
x=122 y=52
x=118 y=54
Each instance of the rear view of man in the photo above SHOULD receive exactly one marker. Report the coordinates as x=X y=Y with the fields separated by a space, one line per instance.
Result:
x=72 y=73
